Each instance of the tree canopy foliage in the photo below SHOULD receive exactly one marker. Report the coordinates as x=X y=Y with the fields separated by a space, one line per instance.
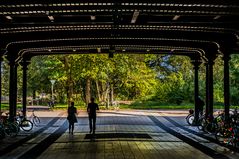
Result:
x=163 y=78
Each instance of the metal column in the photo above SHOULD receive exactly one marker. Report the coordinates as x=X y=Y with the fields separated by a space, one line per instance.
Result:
x=196 y=91
x=210 y=87
x=24 y=86
x=226 y=59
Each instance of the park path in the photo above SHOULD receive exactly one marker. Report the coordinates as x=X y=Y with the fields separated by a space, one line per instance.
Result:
x=145 y=134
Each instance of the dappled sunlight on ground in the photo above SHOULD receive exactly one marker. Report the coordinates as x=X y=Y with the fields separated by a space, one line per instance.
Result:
x=119 y=134
x=82 y=113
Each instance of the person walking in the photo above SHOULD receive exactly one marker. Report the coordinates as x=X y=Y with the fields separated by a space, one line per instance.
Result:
x=200 y=105
x=72 y=112
x=91 y=109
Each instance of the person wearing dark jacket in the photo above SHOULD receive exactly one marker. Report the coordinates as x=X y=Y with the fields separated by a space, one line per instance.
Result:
x=71 y=117
x=200 y=105
x=91 y=109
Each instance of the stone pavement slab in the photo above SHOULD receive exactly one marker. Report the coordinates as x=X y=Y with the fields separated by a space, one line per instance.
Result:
x=120 y=134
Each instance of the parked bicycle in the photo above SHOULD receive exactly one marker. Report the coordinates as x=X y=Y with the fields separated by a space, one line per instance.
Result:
x=23 y=122
x=228 y=132
x=2 y=131
x=35 y=119
x=8 y=128
x=190 y=117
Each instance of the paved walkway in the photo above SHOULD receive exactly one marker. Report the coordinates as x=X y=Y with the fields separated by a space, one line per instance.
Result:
x=120 y=134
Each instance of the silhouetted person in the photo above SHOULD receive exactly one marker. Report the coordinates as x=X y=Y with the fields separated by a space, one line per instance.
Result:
x=51 y=104
x=91 y=109
x=200 y=105
x=71 y=117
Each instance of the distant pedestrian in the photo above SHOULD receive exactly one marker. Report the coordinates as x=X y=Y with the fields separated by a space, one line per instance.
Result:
x=200 y=105
x=51 y=104
x=72 y=112
x=91 y=109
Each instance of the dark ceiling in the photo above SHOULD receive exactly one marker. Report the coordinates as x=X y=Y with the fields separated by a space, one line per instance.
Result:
x=207 y=25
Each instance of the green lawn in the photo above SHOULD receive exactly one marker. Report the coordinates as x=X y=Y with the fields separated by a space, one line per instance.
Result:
x=6 y=105
x=186 y=106
x=133 y=106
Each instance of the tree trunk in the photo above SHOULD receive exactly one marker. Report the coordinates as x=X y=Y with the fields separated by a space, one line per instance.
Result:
x=61 y=97
x=34 y=94
x=107 y=95
x=33 y=97
x=102 y=91
x=69 y=81
x=87 y=90
x=111 y=94
x=98 y=89
x=71 y=85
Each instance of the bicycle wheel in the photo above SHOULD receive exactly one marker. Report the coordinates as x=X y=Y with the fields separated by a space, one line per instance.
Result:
x=223 y=136
x=26 y=125
x=2 y=132
x=190 y=119
x=36 y=120
x=11 y=129
x=236 y=143
x=236 y=137
x=16 y=123
x=202 y=124
x=211 y=127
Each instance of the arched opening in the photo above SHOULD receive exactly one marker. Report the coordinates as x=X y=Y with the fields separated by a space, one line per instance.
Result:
x=200 y=30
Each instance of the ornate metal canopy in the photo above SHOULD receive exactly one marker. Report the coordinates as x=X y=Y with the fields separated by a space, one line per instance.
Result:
x=196 y=26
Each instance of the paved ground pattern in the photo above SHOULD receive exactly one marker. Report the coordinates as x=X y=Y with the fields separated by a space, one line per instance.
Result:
x=120 y=134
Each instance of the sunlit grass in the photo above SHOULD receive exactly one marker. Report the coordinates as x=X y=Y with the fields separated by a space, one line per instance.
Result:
x=150 y=105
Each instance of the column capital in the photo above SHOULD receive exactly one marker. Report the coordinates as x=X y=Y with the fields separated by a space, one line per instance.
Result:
x=2 y=52
x=24 y=63
x=196 y=64
x=210 y=62
x=211 y=58
x=11 y=63
x=11 y=60
x=226 y=57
